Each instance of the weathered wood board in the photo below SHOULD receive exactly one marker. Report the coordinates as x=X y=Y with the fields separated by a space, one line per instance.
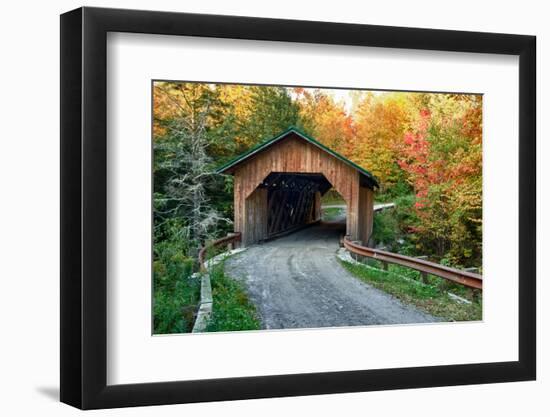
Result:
x=293 y=155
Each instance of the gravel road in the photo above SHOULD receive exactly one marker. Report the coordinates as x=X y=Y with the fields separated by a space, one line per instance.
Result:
x=296 y=282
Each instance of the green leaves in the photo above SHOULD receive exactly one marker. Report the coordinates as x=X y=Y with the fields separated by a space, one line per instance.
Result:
x=231 y=309
x=271 y=112
x=176 y=294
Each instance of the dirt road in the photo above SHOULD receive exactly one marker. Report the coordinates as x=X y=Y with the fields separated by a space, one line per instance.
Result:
x=296 y=282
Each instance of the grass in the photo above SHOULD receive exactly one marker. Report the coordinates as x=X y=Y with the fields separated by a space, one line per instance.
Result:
x=232 y=310
x=331 y=213
x=176 y=295
x=332 y=197
x=431 y=298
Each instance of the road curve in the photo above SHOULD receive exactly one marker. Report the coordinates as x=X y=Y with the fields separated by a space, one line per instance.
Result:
x=296 y=282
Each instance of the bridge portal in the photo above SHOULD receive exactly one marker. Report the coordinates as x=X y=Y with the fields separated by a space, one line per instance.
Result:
x=278 y=187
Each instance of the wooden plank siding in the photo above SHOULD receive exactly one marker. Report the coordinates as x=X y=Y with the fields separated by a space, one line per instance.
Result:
x=295 y=155
x=365 y=214
x=316 y=212
x=255 y=224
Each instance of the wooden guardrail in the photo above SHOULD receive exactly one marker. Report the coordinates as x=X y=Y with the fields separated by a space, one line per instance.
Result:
x=231 y=238
x=468 y=279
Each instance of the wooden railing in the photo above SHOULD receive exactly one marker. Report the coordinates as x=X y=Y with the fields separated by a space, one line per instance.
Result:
x=231 y=238
x=468 y=279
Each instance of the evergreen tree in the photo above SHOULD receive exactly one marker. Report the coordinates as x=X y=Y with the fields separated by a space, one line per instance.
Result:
x=183 y=167
x=272 y=112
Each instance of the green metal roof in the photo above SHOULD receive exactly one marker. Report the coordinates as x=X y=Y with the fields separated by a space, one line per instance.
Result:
x=260 y=147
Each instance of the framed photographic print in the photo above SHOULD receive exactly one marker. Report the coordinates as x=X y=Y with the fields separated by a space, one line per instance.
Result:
x=258 y=207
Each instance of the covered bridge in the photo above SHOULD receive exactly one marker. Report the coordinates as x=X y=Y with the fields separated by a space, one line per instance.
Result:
x=278 y=187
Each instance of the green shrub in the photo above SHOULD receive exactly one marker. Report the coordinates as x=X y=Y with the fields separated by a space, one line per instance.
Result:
x=394 y=191
x=385 y=227
x=231 y=308
x=175 y=294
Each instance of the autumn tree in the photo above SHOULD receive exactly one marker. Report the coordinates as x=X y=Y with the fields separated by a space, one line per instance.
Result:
x=441 y=155
x=325 y=119
x=421 y=143
x=380 y=122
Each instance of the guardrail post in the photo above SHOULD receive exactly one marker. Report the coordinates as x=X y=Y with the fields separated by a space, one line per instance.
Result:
x=424 y=277
x=231 y=245
x=202 y=258
x=355 y=255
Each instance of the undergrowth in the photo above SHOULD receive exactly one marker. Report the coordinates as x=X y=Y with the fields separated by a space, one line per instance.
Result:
x=176 y=294
x=232 y=310
x=432 y=297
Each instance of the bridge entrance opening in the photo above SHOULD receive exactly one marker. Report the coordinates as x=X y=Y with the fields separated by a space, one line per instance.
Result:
x=293 y=200
x=333 y=207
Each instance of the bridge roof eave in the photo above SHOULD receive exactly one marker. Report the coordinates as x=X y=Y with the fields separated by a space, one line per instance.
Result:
x=230 y=166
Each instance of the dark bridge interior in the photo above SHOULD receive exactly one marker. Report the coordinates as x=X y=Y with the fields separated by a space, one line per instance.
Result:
x=293 y=200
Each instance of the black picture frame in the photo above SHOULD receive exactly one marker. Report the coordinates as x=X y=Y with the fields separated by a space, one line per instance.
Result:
x=84 y=207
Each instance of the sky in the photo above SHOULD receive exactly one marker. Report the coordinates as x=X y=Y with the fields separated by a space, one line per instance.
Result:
x=339 y=95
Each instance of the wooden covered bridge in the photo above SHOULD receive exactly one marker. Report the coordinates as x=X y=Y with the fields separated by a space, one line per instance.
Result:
x=278 y=187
